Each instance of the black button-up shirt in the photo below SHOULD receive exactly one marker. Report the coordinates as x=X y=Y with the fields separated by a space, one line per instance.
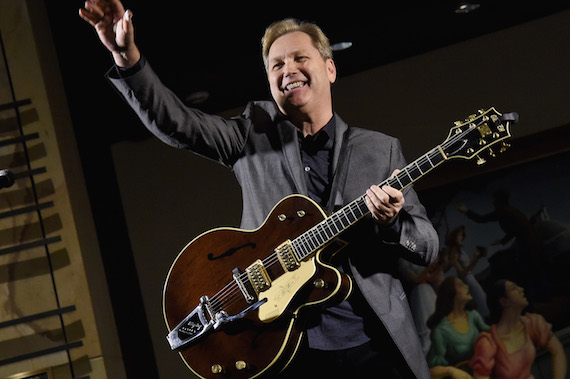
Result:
x=316 y=151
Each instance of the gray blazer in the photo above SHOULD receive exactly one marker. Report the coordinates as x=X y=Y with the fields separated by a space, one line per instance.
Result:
x=262 y=149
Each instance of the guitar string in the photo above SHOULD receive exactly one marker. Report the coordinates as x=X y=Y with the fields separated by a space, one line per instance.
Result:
x=232 y=289
x=318 y=232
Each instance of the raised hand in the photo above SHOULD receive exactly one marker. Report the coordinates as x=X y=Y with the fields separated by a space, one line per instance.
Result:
x=114 y=27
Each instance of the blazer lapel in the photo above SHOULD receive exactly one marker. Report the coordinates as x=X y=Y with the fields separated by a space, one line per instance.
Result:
x=340 y=159
x=290 y=146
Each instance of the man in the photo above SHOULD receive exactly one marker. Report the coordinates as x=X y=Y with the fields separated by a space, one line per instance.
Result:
x=297 y=144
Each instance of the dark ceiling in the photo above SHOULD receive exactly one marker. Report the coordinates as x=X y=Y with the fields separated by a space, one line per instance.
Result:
x=217 y=48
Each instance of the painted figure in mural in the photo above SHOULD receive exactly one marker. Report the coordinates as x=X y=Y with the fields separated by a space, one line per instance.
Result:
x=509 y=348
x=528 y=265
x=453 y=255
x=454 y=326
x=423 y=282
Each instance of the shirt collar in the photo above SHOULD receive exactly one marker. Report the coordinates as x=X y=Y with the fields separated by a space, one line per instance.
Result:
x=327 y=131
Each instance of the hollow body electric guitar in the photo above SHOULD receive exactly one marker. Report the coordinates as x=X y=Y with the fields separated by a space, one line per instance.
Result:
x=234 y=300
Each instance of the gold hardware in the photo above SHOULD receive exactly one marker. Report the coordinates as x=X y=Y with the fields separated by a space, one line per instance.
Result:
x=301 y=213
x=470 y=150
x=484 y=130
x=241 y=365
x=282 y=217
x=458 y=131
x=492 y=153
x=319 y=283
x=482 y=142
x=217 y=369
x=504 y=147
x=258 y=276
x=457 y=123
x=496 y=135
x=286 y=256
x=480 y=161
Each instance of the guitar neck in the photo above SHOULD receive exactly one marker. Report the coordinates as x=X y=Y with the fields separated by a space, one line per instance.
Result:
x=318 y=236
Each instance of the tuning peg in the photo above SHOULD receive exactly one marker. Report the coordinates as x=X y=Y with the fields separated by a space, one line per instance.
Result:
x=480 y=160
x=504 y=147
x=492 y=153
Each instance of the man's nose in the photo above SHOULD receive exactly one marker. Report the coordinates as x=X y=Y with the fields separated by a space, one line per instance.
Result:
x=290 y=68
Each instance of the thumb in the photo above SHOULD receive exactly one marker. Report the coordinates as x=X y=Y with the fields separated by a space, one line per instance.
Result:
x=125 y=30
x=127 y=22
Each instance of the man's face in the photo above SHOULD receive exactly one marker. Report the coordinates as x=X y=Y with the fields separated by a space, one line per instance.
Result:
x=299 y=77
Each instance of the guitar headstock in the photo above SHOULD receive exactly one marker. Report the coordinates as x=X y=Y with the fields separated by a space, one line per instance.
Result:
x=477 y=133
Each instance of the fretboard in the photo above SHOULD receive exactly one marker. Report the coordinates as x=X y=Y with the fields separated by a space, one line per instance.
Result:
x=319 y=235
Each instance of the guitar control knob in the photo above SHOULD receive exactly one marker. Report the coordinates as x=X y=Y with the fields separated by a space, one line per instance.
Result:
x=241 y=365
x=319 y=283
x=217 y=369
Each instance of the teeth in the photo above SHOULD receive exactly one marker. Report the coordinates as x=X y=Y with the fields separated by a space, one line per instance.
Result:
x=294 y=85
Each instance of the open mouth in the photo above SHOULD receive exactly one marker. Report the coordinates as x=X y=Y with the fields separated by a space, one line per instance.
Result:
x=292 y=86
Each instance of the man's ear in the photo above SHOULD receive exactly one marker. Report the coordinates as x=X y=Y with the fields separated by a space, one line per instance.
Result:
x=331 y=70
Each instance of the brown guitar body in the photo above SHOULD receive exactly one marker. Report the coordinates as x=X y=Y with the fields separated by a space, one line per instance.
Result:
x=250 y=347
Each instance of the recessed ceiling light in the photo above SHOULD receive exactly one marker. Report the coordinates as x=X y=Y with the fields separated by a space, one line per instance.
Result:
x=465 y=7
x=341 y=46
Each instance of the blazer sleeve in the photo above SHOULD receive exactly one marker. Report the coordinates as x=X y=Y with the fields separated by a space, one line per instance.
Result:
x=176 y=124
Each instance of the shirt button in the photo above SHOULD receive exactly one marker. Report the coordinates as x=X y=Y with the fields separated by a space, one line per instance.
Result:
x=307 y=168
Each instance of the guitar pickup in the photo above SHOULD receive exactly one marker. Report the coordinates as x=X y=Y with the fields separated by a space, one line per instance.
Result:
x=258 y=276
x=287 y=256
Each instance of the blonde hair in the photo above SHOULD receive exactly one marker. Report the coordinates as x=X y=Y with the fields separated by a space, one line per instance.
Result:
x=280 y=28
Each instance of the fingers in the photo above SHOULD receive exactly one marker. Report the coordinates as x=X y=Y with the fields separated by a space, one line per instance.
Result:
x=384 y=203
x=95 y=11
x=91 y=13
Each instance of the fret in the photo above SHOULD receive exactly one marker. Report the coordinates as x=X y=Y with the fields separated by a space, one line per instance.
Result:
x=399 y=182
x=425 y=166
x=342 y=219
x=429 y=160
x=419 y=168
x=362 y=205
x=403 y=179
x=409 y=176
x=352 y=213
x=318 y=236
x=327 y=225
x=413 y=173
